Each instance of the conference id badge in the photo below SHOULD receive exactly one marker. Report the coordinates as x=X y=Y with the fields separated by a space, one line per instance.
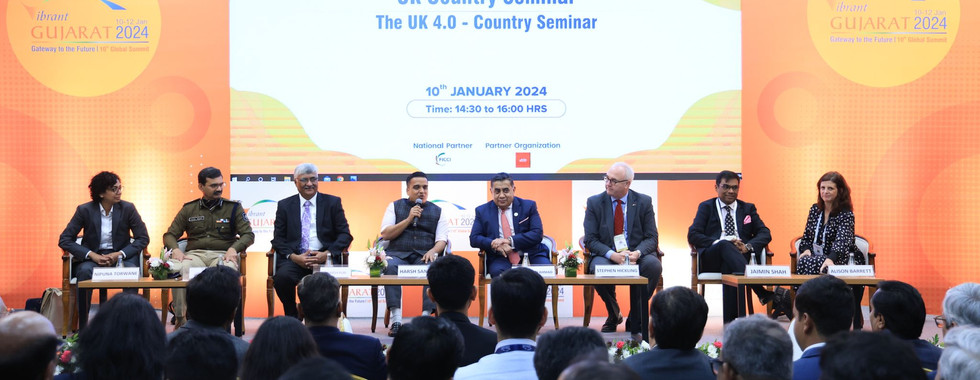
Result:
x=620 y=241
x=818 y=249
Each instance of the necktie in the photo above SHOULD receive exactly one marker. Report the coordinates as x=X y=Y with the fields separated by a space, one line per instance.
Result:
x=729 y=222
x=618 y=218
x=505 y=227
x=304 y=243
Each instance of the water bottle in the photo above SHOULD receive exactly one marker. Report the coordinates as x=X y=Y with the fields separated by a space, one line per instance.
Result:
x=752 y=259
x=850 y=259
x=626 y=260
x=525 y=262
x=329 y=260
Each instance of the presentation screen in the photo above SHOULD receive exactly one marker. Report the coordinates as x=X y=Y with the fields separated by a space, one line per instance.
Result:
x=550 y=88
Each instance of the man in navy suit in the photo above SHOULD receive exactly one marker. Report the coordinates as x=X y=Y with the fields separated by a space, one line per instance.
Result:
x=619 y=225
x=107 y=222
x=898 y=308
x=310 y=228
x=726 y=231
x=505 y=247
x=319 y=301
x=678 y=316
x=451 y=288
x=824 y=306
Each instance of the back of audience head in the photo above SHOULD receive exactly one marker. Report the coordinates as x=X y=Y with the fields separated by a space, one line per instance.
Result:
x=201 y=354
x=961 y=306
x=317 y=367
x=825 y=304
x=598 y=369
x=961 y=358
x=28 y=344
x=125 y=340
x=213 y=296
x=678 y=315
x=451 y=282
x=557 y=349
x=319 y=298
x=863 y=355
x=426 y=348
x=517 y=298
x=756 y=348
x=898 y=308
x=279 y=343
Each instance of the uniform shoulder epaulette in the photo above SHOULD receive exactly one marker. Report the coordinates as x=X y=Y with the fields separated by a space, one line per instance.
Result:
x=193 y=201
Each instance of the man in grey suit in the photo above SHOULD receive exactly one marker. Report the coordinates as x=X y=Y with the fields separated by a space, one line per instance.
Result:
x=619 y=225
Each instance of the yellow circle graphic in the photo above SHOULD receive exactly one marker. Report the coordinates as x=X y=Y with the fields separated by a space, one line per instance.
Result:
x=883 y=43
x=84 y=47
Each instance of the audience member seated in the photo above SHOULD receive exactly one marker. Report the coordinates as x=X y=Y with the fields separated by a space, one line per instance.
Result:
x=898 y=308
x=824 y=306
x=598 y=369
x=201 y=354
x=279 y=343
x=28 y=344
x=319 y=368
x=961 y=306
x=677 y=319
x=428 y=348
x=124 y=341
x=319 y=303
x=862 y=355
x=558 y=349
x=451 y=289
x=755 y=348
x=961 y=358
x=518 y=311
x=212 y=300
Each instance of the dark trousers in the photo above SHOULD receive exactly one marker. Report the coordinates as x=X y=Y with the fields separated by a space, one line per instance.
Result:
x=393 y=294
x=725 y=258
x=288 y=274
x=499 y=264
x=83 y=272
x=650 y=268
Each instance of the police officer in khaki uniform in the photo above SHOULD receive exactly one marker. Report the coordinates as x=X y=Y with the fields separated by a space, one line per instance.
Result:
x=217 y=229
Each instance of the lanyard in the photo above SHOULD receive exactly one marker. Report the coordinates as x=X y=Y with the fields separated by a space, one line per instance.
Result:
x=514 y=347
x=822 y=232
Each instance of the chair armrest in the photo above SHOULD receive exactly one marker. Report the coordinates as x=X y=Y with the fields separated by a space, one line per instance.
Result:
x=146 y=262
x=871 y=258
x=769 y=255
x=483 y=263
x=660 y=254
x=65 y=264
x=272 y=261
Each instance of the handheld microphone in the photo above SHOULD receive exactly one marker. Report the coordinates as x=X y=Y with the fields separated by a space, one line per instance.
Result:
x=415 y=221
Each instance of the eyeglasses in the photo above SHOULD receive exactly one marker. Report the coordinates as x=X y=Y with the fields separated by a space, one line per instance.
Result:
x=116 y=189
x=940 y=321
x=614 y=181
x=305 y=180
x=726 y=187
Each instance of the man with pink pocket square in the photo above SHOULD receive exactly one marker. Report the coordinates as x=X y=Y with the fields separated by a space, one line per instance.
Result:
x=507 y=228
x=725 y=232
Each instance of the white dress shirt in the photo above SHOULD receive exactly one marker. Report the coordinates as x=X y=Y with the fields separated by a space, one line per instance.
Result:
x=513 y=365
x=315 y=244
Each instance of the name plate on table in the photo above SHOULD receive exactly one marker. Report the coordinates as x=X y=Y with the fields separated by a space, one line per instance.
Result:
x=543 y=270
x=851 y=270
x=194 y=271
x=412 y=271
x=617 y=270
x=767 y=271
x=337 y=272
x=116 y=274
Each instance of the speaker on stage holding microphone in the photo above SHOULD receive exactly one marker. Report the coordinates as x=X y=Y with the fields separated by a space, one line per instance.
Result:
x=416 y=233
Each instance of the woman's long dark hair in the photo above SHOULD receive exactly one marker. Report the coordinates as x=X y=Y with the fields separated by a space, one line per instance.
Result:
x=125 y=340
x=843 y=200
x=279 y=343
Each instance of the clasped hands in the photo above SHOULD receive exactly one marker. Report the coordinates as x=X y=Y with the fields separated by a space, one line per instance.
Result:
x=310 y=259
x=826 y=263
x=620 y=257
x=106 y=260
x=502 y=246
x=178 y=255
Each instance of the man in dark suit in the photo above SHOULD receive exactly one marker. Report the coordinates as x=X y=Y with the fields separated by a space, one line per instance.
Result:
x=310 y=228
x=451 y=288
x=678 y=316
x=824 y=306
x=319 y=301
x=107 y=222
x=619 y=225
x=505 y=247
x=898 y=308
x=756 y=347
x=726 y=231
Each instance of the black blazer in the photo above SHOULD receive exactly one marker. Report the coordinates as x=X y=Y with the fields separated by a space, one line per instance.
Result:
x=125 y=219
x=331 y=226
x=478 y=341
x=706 y=227
x=661 y=363
x=360 y=354
x=641 y=229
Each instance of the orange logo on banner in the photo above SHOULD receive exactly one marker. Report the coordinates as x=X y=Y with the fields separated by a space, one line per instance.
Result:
x=883 y=43
x=84 y=48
